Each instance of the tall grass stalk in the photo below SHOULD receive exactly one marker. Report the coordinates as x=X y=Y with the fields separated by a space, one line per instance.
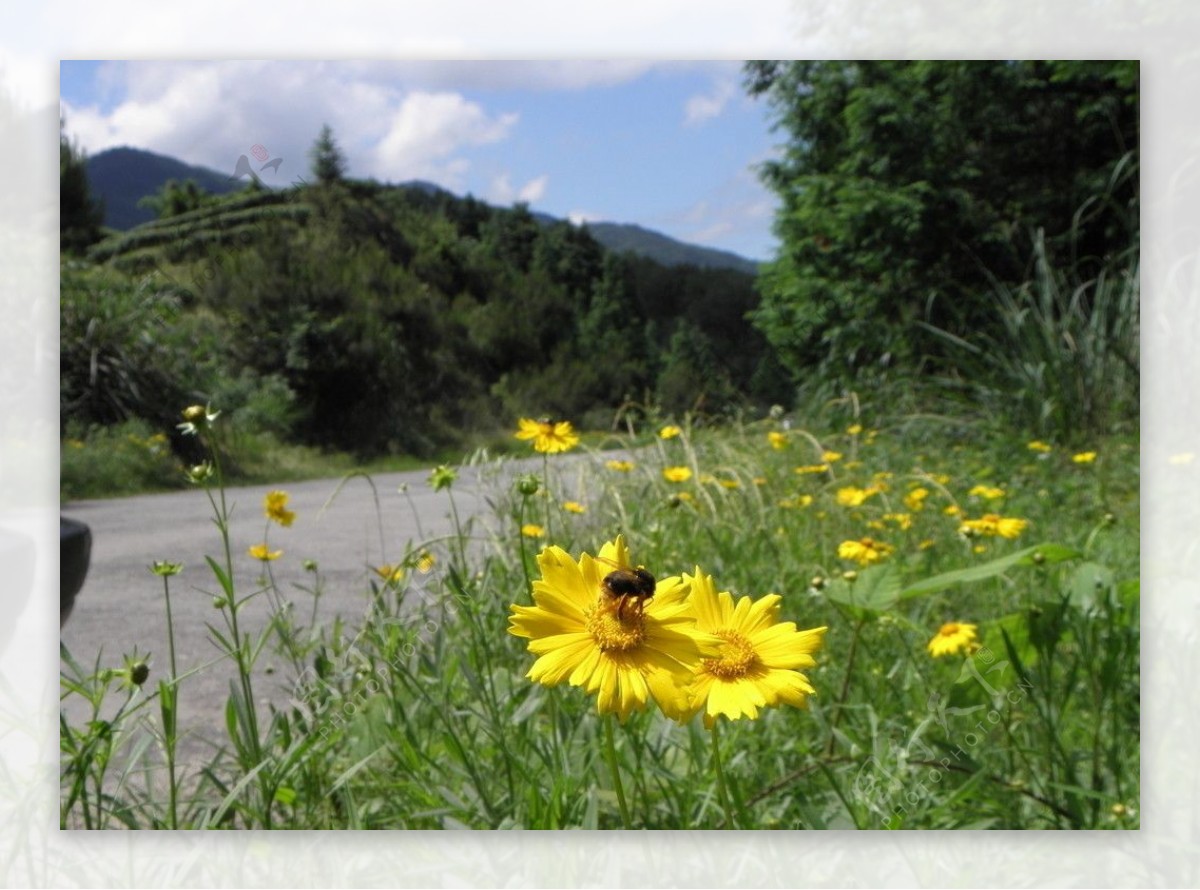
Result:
x=1061 y=357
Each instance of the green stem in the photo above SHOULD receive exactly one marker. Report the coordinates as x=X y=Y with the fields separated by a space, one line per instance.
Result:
x=170 y=626
x=611 y=749
x=722 y=787
x=837 y=713
x=169 y=731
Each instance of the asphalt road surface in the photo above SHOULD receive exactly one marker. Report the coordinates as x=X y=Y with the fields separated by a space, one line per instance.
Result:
x=122 y=606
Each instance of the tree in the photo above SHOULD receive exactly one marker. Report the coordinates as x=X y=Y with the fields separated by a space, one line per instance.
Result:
x=177 y=197
x=907 y=186
x=328 y=162
x=80 y=215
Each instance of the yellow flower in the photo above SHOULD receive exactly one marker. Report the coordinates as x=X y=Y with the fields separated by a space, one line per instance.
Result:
x=812 y=468
x=800 y=500
x=864 y=551
x=530 y=530
x=915 y=499
x=729 y=483
x=760 y=658
x=390 y=573
x=626 y=657
x=903 y=520
x=425 y=562
x=854 y=429
x=677 y=474
x=574 y=507
x=987 y=492
x=1084 y=457
x=275 y=506
x=952 y=510
x=260 y=551
x=953 y=637
x=621 y=466
x=831 y=456
x=992 y=524
x=778 y=440
x=852 y=496
x=548 y=437
x=669 y=432
x=1041 y=447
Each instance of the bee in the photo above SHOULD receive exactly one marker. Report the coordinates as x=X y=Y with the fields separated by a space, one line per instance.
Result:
x=628 y=586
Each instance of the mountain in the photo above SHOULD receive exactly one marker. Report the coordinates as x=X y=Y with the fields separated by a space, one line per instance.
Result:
x=123 y=176
x=622 y=237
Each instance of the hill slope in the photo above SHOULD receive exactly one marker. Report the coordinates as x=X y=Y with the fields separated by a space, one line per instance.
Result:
x=123 y=176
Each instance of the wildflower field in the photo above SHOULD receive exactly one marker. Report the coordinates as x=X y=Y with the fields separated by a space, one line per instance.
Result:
x=850 y=617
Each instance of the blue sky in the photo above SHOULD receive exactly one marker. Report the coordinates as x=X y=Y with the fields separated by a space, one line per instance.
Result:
x=670 y=146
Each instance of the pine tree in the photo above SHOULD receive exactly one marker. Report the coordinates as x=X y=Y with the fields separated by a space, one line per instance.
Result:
x=80 y=215
x=328 y=162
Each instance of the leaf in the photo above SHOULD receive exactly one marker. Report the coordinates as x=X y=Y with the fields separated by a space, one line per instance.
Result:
x=1085 y=581
x=1048 y=554
x=875 y=589
x=225 y=581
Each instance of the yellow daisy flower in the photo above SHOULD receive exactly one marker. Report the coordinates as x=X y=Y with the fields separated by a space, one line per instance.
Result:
x=1038 y=446
x=669 y=432
x=547 y=436
x=260 y=551
x=275 y=506
x=812 y=468
x=621 y=466
x=953 y=637
x=852 y=496
x=760 y=658
x=390 y=573
x=993 y=524
x=582 y=635
x=677 y=474
x=915 y=499
x=831 y=456
x=987 y=492
x=574 y=507
x=425 y=562
x=1084 y=457
x=530 y=530
x=864 y=551
x=778 y=440
x=854 y=429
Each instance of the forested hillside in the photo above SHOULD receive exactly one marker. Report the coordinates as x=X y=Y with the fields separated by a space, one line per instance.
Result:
x=381 y=319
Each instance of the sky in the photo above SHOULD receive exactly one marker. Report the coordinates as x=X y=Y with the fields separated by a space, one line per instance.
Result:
x=671 y=146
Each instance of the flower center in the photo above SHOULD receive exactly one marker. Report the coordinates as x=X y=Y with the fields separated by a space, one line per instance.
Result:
x=611 y=631
x=949 y=630
x=738 y=657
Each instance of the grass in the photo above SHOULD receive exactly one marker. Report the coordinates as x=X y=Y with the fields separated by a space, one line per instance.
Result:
x=421 y=717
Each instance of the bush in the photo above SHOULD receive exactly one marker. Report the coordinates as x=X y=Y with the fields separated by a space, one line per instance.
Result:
x=126 y=458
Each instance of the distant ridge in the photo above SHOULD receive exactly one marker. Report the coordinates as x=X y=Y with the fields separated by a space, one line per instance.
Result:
x=123 y=176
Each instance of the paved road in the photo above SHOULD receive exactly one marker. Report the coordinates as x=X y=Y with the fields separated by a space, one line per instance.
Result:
x=121 y=604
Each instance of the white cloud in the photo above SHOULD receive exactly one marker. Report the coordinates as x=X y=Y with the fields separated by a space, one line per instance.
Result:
x=428 y=128
x=705 y=107
x=501 y=190
x=582 y=217
x=208 y=113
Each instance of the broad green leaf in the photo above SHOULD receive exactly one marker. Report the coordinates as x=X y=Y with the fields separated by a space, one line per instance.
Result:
x=1085 y=581
x=1047 y=554
x=875 y=589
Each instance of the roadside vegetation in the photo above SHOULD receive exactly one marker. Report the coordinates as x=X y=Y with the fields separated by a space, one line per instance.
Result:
x=910 y=444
